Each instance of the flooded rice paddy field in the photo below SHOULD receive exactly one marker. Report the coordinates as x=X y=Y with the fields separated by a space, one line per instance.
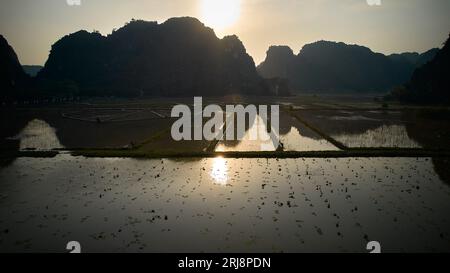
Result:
x=223 y=205
x=296 y=136
x=44 y=129
x=355 y=122
x=53 y=130
x=379 y=128
x=292 y=136
x=218 y=204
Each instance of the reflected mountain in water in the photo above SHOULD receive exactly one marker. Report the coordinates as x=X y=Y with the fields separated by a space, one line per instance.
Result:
x=364 y=128
x=44 y=130
x=73 y=133
x=293 y=136
x=296 y=141
x=433 y=134
x=253 y=140
x=395 y=136
x=38 y=135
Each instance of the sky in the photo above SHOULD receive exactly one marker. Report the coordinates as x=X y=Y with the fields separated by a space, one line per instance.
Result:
x=32 y=26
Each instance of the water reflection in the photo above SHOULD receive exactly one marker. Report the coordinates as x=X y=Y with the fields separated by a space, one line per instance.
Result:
x=274 y=205
x=219 y=171
x=383 y=136
x=257 y=130
x=365 y=128
x=295 y=141
x=38 y=135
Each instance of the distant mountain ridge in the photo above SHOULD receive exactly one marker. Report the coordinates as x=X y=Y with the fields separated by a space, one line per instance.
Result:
x=32 y=70
x=415 y=58
x=326 y=66
x=180 y=57
x=183 y=57
x=430 y=83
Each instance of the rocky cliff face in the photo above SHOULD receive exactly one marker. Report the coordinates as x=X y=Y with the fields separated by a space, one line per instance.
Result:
x=337 y=67
x=180 y=57
x=278 y=62
x=430 y=83
x=12 y=76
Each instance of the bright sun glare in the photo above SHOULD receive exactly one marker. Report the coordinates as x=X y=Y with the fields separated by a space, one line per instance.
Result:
x=220 y=14
x=219 y=171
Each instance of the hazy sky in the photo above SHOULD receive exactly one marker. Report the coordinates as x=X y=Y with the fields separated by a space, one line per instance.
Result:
x=32 y=26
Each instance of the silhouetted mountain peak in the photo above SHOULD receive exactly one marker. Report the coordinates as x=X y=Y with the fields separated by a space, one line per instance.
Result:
x=176 y=58
x=279 y=52
x=184 y=23
x=430 y=83
x=187 y=27
x=12 y=76
x=277 y=62
x=233 y=45
x=327 y=52
x=81 y=35
x=8 y=56
x=415 y=59
x=327 y=66
x=331 y=46
x=409 y=57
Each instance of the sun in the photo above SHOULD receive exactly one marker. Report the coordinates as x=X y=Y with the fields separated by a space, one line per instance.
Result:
x=220 y=14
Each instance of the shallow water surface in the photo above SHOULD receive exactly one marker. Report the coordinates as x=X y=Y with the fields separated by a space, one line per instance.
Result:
x=255 y=138
x=223 y=205
x=384 y=136
x=38 y=135
x=368 y=129
x=296 y=141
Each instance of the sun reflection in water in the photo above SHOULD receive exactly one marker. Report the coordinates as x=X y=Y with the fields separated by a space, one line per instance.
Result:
x=219 y=171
